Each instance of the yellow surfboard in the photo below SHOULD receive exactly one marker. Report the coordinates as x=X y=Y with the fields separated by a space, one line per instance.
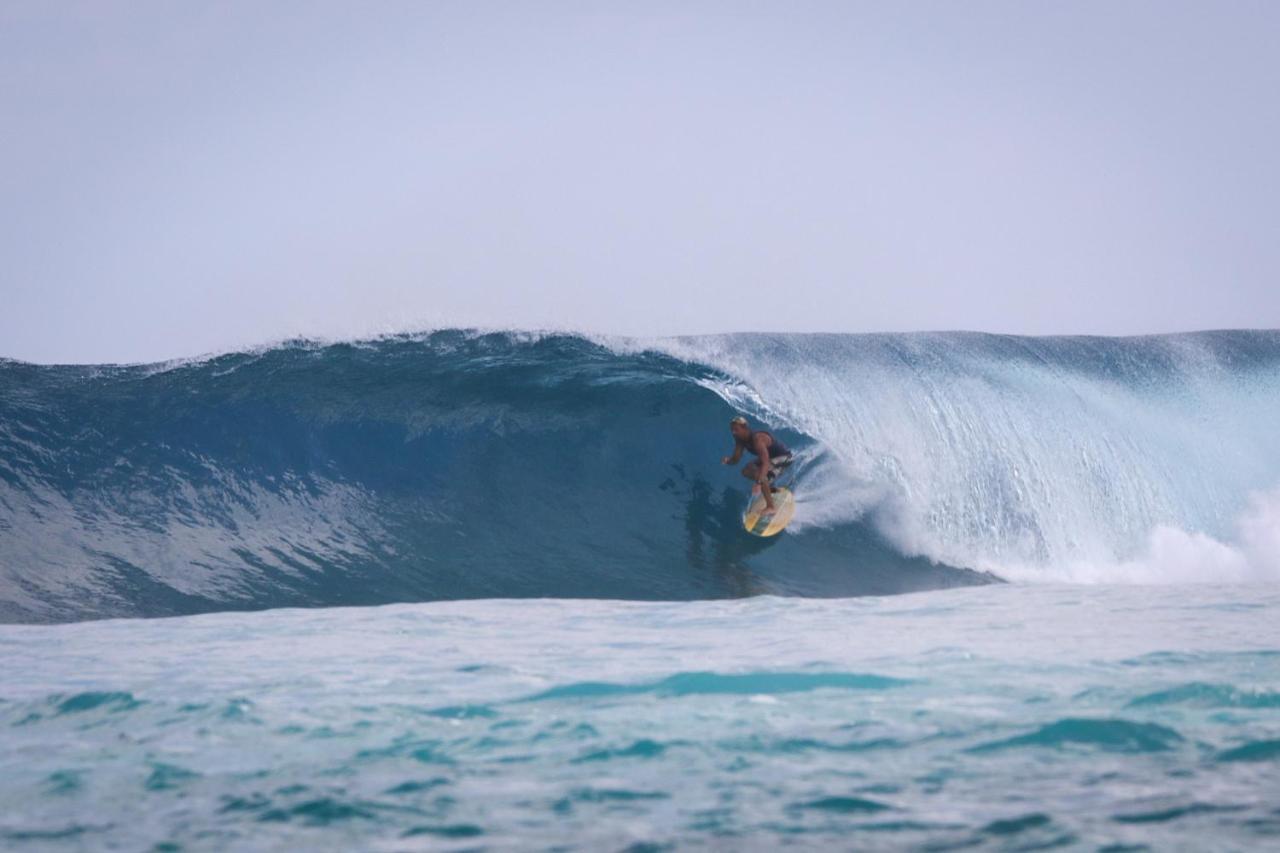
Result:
x=769 y=525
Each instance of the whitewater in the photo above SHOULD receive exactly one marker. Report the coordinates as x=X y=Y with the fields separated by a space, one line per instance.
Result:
x=490 y=590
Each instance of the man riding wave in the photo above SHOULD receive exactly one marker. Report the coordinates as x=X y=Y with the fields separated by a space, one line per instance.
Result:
x=772 y=456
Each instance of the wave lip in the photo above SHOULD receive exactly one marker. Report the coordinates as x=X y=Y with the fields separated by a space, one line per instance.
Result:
x=457 y=464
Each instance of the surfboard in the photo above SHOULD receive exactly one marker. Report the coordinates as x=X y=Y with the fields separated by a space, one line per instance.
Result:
x=769 y=525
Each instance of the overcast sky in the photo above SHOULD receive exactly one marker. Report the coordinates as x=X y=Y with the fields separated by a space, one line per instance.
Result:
x=183 y=177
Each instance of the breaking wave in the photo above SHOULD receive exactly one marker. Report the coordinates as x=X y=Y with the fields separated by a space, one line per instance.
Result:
x=455 y=464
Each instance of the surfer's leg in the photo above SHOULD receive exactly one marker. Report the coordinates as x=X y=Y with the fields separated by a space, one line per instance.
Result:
x=777 y=466
x=752 y=473
x=752 y=470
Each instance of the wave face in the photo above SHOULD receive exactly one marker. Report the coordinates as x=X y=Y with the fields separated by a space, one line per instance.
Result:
x=462 y=465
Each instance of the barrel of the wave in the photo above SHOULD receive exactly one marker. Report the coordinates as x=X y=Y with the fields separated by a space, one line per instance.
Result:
x=758 y=523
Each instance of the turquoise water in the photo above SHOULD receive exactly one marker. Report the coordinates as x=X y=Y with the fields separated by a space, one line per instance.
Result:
x=1000 y=717
x=472 y=591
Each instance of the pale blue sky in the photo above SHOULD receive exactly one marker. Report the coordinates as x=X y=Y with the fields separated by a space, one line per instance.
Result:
x=183 y=177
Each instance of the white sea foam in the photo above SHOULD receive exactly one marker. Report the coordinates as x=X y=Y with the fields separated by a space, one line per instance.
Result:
x=1173 y=555
x=1089 y=459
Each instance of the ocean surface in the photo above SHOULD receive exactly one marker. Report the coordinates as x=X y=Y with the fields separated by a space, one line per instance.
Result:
x=463 y=590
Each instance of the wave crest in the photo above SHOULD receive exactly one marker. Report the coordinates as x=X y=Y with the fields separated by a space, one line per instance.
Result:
x=457 y=464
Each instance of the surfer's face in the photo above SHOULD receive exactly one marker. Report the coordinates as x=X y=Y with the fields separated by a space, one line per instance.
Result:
x=739 y=430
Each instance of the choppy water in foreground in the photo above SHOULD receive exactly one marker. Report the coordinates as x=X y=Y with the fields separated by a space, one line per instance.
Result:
x=998 y=717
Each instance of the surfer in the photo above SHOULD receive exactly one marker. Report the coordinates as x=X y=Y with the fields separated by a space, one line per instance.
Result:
x=772 y=457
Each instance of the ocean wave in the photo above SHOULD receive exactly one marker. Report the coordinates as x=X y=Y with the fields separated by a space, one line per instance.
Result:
x=463 y=464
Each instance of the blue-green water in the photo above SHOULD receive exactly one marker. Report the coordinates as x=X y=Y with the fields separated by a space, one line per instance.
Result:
x=1006 y=717
x=454 y=465
x=491 y=591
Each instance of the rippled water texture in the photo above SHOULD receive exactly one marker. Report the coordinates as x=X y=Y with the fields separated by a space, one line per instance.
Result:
x=998 y=717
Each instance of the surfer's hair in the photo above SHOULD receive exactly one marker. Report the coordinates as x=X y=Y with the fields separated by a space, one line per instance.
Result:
x=738 y=420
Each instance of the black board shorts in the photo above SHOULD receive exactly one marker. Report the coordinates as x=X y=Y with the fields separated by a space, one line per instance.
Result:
x=778 y=464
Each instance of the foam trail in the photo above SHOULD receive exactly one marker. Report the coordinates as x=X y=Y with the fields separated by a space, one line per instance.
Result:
x=1174 y=555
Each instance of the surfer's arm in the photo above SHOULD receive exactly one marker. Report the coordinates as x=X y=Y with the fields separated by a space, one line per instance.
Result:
x=737 y=454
